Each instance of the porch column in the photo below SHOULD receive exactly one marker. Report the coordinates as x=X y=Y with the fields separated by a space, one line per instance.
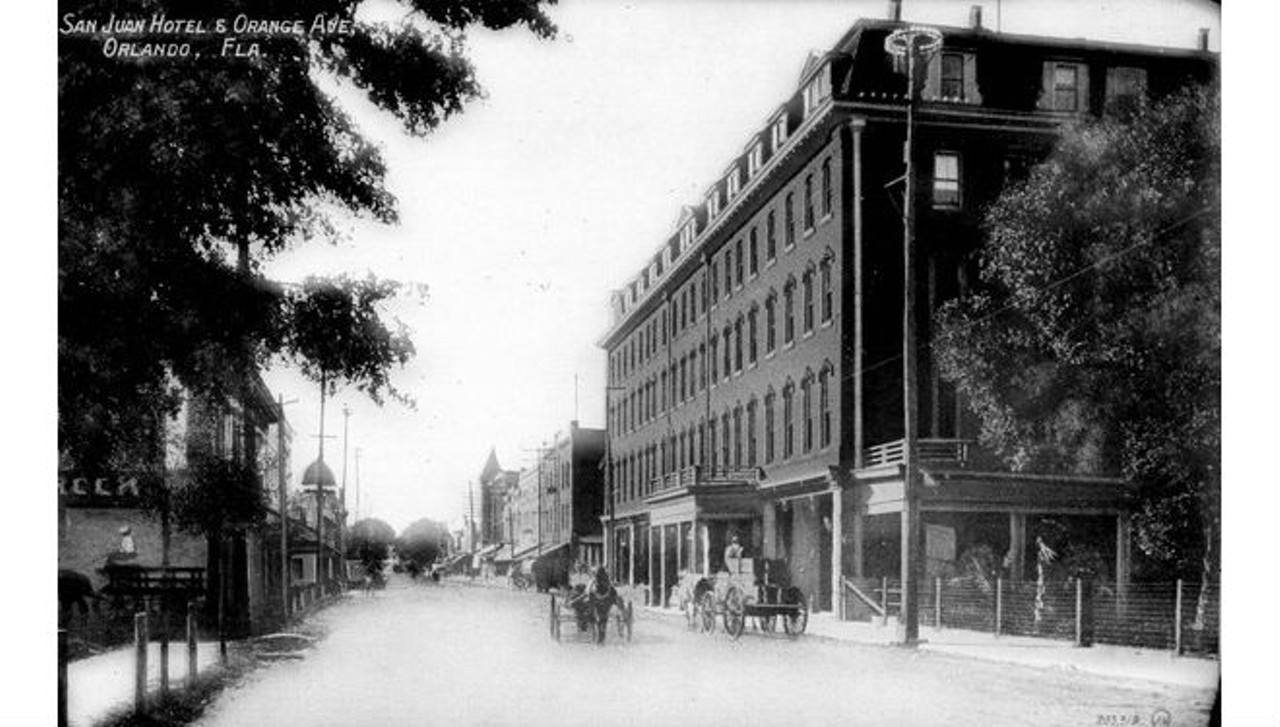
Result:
x=704 y=537
x=859 y=527
x=631 y=556
x=1017 y=545
x=770 y=524
x=662 y=565
x=837 y=550
x=1124 y=537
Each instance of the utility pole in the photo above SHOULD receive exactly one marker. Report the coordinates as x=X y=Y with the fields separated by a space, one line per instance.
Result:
x=915 y=44
x=358 y=450
x=342 y=496
x=282 y=485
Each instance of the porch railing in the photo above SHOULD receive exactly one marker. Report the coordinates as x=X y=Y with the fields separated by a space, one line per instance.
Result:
x=928 y=450
x=705 y=475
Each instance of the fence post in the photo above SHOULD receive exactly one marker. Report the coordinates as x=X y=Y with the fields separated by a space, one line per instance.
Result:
x=140 y=639
x=1079 y=612
x=1177 y=619
x=62 y=678
x=191 y=643
x=999 y=603
x=937 y=603
x=884 y=600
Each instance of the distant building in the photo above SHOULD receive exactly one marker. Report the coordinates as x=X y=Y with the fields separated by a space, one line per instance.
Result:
x=755 y=376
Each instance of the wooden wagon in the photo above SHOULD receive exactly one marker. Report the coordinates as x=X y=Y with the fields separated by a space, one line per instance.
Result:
x=758 y=589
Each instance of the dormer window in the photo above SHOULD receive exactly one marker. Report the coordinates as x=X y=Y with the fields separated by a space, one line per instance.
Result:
x=755 y=159
x=953 y=76
x=818 y=90
x=733 y=182
x=779 y=132
x=686 y=237
x=713 y=203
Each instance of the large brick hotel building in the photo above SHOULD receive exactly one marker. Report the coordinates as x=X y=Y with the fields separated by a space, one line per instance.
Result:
x=754 y=365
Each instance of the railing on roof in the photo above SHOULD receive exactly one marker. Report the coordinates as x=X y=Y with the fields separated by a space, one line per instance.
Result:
x=927 y=450
x=697 y=474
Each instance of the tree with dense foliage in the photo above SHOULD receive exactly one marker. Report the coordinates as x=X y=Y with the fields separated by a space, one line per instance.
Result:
x=1095 y=343
x=423 y=541
x=178 y=176
x=369 y=541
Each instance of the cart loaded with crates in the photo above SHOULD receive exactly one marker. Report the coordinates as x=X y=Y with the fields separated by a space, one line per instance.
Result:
x=586 y=608
x=747 y=588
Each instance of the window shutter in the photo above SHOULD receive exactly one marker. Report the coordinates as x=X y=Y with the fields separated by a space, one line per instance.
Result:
x=971 y=93
x=1082 y=87
x=1045 y=102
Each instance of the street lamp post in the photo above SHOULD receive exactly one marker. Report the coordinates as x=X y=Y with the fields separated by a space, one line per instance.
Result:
x=915 y=44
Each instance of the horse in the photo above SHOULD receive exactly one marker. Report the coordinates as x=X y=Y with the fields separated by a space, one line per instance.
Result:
x=74 y=588
x=594 y=601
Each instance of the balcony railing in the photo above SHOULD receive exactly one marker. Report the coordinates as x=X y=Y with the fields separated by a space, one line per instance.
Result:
x=705 y=475
x=927 y=450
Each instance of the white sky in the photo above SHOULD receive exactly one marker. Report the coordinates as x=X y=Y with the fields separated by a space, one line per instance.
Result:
x=522 y=213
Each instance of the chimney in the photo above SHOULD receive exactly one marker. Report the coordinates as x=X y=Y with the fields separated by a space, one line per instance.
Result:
x=975 y=17
x=1204 y=39
x=895 y=10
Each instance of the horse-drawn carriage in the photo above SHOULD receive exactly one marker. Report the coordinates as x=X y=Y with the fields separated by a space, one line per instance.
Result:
x=747 y=588
x=589 y=605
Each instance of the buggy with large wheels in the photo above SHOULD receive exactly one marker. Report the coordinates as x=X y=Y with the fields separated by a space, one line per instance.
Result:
x=589 y=608
x=759 y=590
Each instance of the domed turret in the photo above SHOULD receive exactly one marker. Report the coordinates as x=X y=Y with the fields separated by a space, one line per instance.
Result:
x=318 y=473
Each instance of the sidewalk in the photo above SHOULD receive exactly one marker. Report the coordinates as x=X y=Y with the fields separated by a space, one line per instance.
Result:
x=102 y=684
x=1101 y=659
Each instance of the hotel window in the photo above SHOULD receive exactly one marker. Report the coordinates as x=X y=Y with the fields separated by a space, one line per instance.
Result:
x=818 y=90
x=724 y=439
x=711 y=361
x=728 y=349
x=1066 y=86
x=768 y=426
x=728 y=272
x=952 y=82
x=789 y=312
x=755 y=159
x=684 y=370
x=770 y=322
x=826 y=187
x=807 y=283
x=713 y=203
x=737 y=436
x=770 y=237
x=738 y=261
x=753 y=252
x=806 y=403
x=790 y=220
x=751 y=433
x=808 y=203
x=737 y=344
x=828 y=298
x=732 y=184
x=824 y=406
x=752 y=328
x=946 y=179
x=686 y=237
x=693 y=372
x=788 y=420
x=779 y=132
x=702 y=370
x=714 y=278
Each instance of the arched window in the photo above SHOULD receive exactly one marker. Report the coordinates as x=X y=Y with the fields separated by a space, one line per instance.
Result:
x=737 y=344
x=684 y=371
x=712 y=357
x=702 y=370
x=737 y=436
x=788 y=420
x=728 y=350
x=828 y=297
x=770 y=322
x=789 y=220
x=724 y=439
x=826 y=187
x=752 y=330
x=806 y=410
x=753 y=252
x=807 y=286
x=770 y=237
x=789 y=311
x=768 y=425
x=808 y=203
x=824 y=405
x=751 y=433
x=711 y=442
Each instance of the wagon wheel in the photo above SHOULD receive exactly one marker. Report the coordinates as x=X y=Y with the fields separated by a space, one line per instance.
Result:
x=707 y=612
x=735 y=607
x=796 y=621
x=768 y=624
x=555 y=619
